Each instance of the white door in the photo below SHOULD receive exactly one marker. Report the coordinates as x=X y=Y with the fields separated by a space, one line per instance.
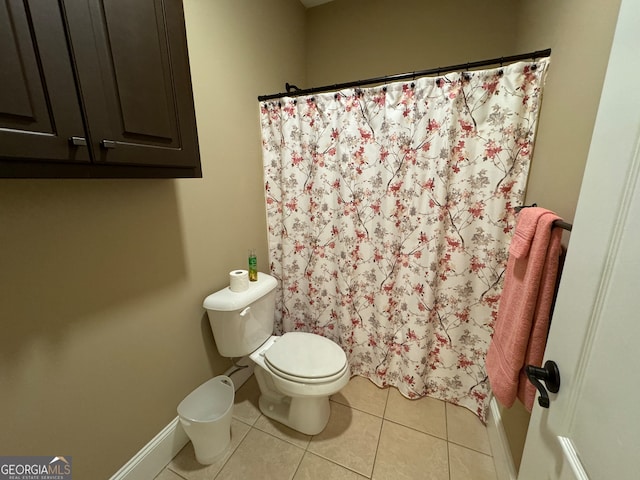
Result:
x=592 y=427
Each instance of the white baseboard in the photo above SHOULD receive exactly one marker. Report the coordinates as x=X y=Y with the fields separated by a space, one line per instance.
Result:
x=155 y=455
x=502 y=458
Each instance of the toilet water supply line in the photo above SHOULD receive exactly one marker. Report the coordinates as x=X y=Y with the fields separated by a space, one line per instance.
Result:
x=238 y=367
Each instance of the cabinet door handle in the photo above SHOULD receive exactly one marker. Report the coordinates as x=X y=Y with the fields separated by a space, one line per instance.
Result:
x=78 y=141
x=108 y=144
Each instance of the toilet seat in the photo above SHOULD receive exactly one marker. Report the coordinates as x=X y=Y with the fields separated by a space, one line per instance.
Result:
x=306 y=380
x=306 y=357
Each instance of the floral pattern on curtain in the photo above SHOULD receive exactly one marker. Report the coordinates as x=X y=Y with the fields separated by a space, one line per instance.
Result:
x=390 y=210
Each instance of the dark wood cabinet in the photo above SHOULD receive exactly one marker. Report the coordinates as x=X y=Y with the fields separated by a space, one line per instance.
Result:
x=95 y=88
x=39 y=104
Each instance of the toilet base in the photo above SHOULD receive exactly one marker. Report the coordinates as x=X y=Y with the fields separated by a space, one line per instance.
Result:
x=305 y=415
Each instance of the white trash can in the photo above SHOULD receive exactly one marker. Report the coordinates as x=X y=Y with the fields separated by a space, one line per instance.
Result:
x=205 y=415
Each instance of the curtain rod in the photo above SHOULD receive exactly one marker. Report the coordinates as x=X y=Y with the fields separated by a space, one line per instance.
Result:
x=404 y=76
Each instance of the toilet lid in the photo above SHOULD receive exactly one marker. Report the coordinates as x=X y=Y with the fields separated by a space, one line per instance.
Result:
x=306 y=355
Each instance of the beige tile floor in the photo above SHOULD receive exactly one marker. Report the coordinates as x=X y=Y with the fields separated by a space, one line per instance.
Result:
x=372 y=433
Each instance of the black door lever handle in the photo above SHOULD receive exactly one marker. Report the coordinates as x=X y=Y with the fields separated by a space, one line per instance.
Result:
x=550 y=375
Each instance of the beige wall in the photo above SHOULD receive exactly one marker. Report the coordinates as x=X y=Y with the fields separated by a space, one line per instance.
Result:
x=580 y=33
x=102 y=282
x=355 y=39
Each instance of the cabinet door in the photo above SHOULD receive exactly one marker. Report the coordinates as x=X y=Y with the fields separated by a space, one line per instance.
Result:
x=132 y=64
x=39 y=105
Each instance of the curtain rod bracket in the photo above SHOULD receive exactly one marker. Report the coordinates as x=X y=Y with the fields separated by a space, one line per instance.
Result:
x=289 y=88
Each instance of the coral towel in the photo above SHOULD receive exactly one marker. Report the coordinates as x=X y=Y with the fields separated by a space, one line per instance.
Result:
x=520 y=332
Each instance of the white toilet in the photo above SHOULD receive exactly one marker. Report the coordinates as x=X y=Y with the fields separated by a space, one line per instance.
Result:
x=296 y=372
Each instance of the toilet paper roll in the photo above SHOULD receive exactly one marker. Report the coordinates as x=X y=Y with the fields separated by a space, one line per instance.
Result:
x=238 y=280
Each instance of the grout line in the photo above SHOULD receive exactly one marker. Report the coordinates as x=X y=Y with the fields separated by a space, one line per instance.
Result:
x=470 y=448
x=415 y=429
x=357 y=409
x=384 y=411
x=172 y=471
x=446 y=420
x=306 y=448
x=338 y=464
x=375 y=456
x=299 y=463
x=446 y=431
x=233 y=452
x=386 y=402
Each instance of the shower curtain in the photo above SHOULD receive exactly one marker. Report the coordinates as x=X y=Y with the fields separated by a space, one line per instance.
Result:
x=389 y=214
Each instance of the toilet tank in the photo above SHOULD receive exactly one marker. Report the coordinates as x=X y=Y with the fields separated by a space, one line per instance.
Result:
x=242 y=321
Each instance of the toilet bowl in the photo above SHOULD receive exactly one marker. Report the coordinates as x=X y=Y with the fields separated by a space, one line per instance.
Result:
x=296 y=372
